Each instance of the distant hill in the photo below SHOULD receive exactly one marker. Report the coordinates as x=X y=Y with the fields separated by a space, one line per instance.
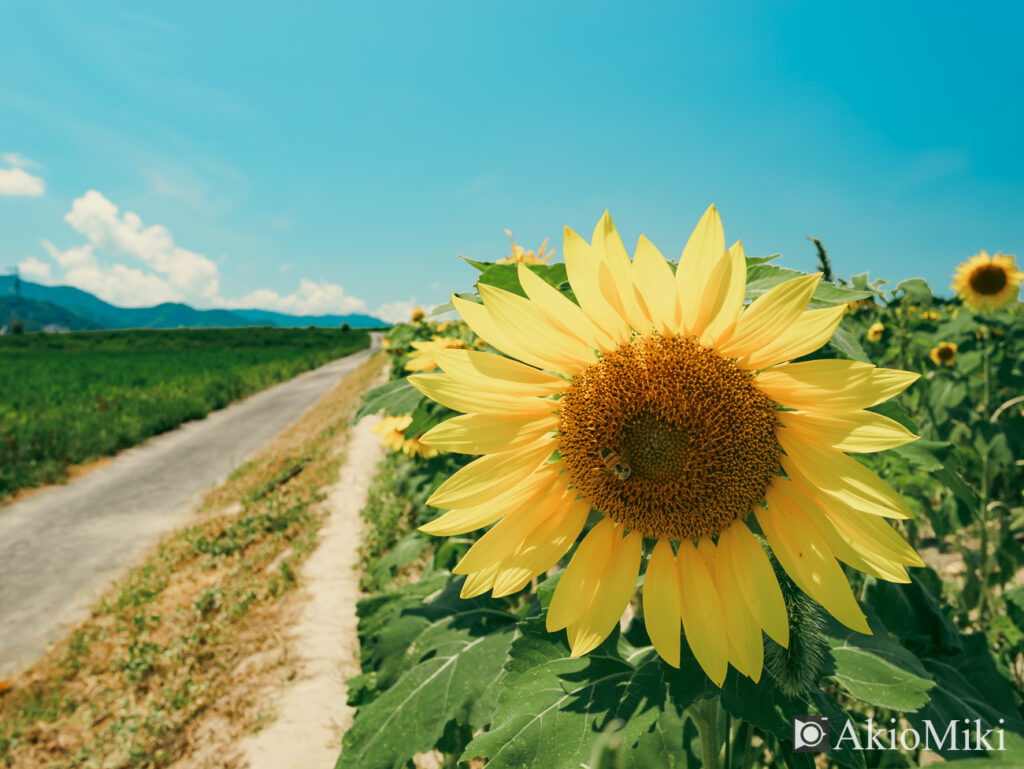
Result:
x=264 y=317
x=99 y=314
x=33 y=315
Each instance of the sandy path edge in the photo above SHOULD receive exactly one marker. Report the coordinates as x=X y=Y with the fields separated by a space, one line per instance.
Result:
x=312 y=714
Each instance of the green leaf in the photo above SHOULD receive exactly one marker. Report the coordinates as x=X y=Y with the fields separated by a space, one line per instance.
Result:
x=876 y=669
x=915 y=290
x=1011 y=758
x=396 y=398
x=407 y=550
x=545 y=692
x=847 y=344
x=830 y=293
x=454 y=659
x=912 y=614
x=506 y=276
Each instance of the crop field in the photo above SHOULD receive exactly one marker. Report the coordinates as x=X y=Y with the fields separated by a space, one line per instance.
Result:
x=873 y=583
x=70 y=398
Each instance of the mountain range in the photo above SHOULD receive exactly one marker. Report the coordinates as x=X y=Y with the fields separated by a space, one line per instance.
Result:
x=36 y=306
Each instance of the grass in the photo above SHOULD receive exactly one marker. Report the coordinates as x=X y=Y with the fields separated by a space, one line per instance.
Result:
x=70 y=398
x=174 y=642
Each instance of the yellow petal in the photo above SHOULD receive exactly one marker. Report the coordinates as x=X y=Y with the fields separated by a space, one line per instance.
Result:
x=756 y=579
x=543 y=547
x=656 y=285
x=479 y=582
x=828 y=386
x=486 y=434
x=561 y=310
x=723 y=300
x=702 y=615
x=857 y=431
x=464 y=519
x=452 y=392
x=835 y=474
x=873 y=533
x=524 y=322
x=807 y=333
x=576 y=587
x=512 y=530
x=582 y=267
x=662 y=608
x=497 y=373
x=845 y=549
x=768 y=316
x=807 y=559
x=479 y=319
x=615 y=587
x=606 y=239
x=703 y=251
x=743 y=631
x=475 y=483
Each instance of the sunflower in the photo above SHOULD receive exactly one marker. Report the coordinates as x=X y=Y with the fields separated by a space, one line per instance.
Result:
x=943 y=354
x=987 y=282
x=423 y=358
x=929 y=315
x=417 y=315
x=392 y=434
x=875 y=332
x=521 y=256
x=391 y=431
x=663 y=404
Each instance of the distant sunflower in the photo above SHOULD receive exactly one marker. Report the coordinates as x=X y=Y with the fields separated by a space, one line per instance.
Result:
x=875 y=332
x=423 y=358
x=943 y=354
x=391 y=432
x=417 y=315
x=675 y=415
x=987 y=282
x=521 y=256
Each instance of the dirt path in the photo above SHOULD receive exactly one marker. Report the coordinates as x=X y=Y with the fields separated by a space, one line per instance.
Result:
x=311 y=710
x=61 y=547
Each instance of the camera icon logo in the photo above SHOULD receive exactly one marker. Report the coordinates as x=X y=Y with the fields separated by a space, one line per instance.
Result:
x=810 y=734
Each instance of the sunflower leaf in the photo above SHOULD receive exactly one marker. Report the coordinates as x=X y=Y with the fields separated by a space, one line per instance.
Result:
x=396 y=398
x=449 y=665
x=876 y=669
x=546 y=692
x=506 y=276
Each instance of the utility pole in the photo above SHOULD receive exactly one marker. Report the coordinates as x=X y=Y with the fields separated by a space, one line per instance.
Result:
x=17 y=281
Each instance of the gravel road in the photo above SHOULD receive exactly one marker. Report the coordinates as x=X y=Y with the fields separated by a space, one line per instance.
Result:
x=61 y=547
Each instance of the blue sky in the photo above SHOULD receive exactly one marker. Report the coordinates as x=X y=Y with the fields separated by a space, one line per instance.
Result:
x=337 y=156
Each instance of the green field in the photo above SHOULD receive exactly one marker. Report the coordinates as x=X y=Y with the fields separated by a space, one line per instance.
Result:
x=69 y=398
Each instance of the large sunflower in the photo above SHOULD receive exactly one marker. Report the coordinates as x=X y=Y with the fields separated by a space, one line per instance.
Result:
x=987 y=282
x=665 y=405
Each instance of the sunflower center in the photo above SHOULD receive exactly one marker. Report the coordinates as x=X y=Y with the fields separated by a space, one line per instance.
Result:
x=988 y=279
x=669 y=438
x=945 y=352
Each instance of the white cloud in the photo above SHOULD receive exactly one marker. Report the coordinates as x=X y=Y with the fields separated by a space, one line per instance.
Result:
x=170 y=273
x=396 y=312
x=116 y=283
x=18 y=161
x=19 y=182
x=35 y=270
x=311 y=298
x=188 y=274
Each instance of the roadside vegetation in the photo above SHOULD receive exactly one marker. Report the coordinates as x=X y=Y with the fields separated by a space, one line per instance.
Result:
x=189 y=640
x=71 y=398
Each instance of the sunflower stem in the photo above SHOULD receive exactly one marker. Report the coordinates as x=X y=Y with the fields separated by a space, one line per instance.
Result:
x=983 y=496
x=705 y=716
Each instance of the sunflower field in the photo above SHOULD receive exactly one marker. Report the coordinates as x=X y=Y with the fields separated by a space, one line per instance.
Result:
x=710 y=512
